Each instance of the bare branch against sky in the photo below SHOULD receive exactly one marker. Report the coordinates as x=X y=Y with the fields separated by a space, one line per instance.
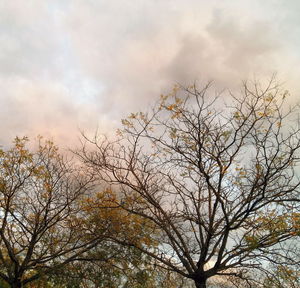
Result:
x=75 y=64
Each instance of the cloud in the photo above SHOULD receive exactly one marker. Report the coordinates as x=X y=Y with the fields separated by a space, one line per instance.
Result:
x=43 y=108
x=75 y=64
x=139 y=51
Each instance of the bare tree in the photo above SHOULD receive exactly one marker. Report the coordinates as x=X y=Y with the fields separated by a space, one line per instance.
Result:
x=40 y=225
x=219 y=181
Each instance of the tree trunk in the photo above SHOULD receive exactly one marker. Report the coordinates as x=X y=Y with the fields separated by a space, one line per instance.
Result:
x=200 y=282
x=16 y=284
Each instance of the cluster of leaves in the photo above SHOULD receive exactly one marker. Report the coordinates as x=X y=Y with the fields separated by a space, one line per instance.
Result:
x=105 y=211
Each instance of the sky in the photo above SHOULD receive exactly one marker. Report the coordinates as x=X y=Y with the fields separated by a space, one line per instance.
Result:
x=79 y=65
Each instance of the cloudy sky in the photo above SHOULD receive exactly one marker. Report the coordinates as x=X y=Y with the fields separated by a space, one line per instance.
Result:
x=67 y=65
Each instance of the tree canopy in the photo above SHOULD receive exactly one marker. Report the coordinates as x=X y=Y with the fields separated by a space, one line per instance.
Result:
x=40 y=227
x=217 y=177
x=203 y=188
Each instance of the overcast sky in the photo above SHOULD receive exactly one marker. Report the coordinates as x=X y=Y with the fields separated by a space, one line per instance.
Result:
x=81 y=64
